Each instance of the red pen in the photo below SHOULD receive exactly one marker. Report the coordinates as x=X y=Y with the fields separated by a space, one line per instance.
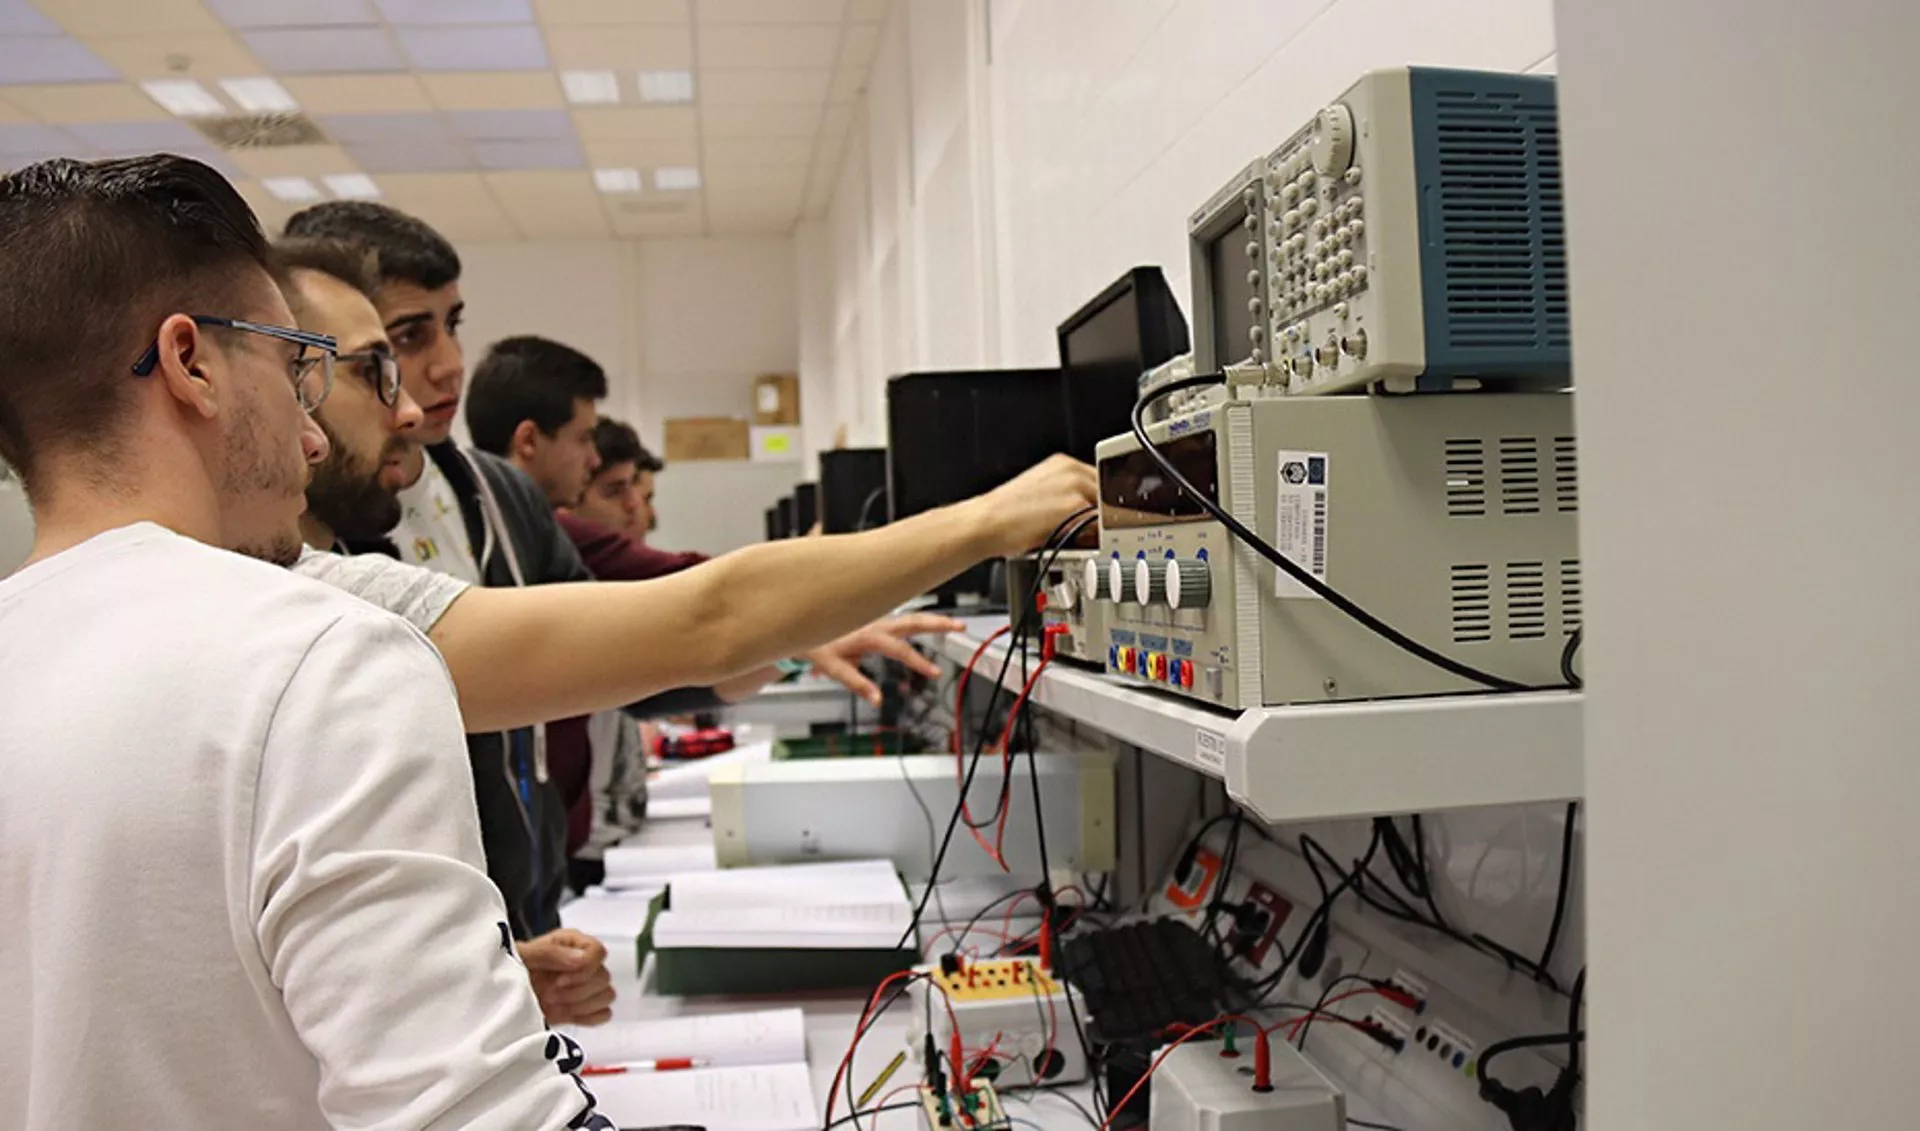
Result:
x=664 y=1064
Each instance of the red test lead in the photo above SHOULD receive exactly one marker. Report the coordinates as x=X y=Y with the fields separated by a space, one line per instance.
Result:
x=664 y=1064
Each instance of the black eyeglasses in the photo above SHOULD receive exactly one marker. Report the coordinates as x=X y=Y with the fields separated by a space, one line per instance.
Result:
x=379 y=369
x=311 y=370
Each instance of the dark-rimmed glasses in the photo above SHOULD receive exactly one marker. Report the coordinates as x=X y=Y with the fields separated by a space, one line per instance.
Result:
x=379 y=369
x=311 y=370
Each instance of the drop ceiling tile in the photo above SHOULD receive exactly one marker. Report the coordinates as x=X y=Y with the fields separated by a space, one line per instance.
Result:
x=240 y=14
x=563 y=154
x=761 y=121
x=11 y=162
x=768 y=45
x=636 y=123
x=562 y=13
x=313 y=161
x=549 y=205
x=820 y=196
x=771 y=11
x=420 y=155
x=511 y=125
x=474 y=48
x=204 y=57
x=205 y=154
x=382 y=127
x=859 y=45
x=41 y=59
x=849 y=83
x=727 y=220
x=86 y=102
x=867 y=11
x=11 y=114
x=494 y=90
x=17 y=17
x=310 y=51
x=745 y=183
x=170 y=135
x=644 y=217
x=456 y=204
x=622 y=49
x=456 y=11
x=759 y=151
x=615 y=153
x=358 y=94
x=724 y=87
x=133 y=17
x=270 y=210
x=30 y=137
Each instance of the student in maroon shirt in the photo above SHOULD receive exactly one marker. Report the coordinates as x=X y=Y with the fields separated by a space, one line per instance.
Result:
x=611 y=522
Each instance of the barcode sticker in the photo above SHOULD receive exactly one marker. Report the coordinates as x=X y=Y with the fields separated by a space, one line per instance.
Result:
x=1300 y=526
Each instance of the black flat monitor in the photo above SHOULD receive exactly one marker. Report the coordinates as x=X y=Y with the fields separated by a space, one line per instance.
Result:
x=953 y=435
x=1128 y=328
x=783 y=517
x=806 y=507
x=853 y=489
x=773 y=524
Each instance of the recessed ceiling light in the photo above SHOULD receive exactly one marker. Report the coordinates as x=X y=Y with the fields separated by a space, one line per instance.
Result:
x=184 y=97
x=259 y=96
x=298 y=190
x=617 y=180
x=590 y=87
x=676 y=178
x=666 y=86
x=352 y=186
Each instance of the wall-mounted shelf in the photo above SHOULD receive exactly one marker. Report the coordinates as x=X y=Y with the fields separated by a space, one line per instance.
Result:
x=1323 y=760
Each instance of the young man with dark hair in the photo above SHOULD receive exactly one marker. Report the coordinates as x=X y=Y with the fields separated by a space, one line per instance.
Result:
x=241 y=876
x=533 y=403
x=620 y=494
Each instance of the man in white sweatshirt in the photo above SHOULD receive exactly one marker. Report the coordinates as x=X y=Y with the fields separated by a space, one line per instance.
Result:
x=240 y=888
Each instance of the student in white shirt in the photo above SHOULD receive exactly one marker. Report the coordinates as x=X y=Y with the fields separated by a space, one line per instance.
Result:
x=241 y=878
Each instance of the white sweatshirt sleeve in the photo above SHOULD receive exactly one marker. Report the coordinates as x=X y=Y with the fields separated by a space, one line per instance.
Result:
x=372 y=908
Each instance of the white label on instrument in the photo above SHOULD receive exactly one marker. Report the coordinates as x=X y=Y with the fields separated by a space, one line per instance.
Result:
x=1210 y=750
x=1300 y=525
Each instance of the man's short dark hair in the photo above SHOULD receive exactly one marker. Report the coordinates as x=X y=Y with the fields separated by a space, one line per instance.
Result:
x=94 y=255
x=617 y=442
x=407 y=249
x=337 y=259
x=528 y=378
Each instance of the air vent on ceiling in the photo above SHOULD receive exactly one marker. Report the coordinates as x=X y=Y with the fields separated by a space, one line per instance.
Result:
x=1472 y=604
x=1519 y=475
x=261 y=131
x=1466 y=478
x=1526 y=600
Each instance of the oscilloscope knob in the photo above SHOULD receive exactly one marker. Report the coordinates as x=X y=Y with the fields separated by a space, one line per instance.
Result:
x=1189 y=583
x=1333 y=140
x=1119 y=581
x=1149 y=584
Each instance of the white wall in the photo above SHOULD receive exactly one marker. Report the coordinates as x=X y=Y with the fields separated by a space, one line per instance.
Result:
x=1021 y=154
x=682 y=327
x=16 y=526
x=1742 y=248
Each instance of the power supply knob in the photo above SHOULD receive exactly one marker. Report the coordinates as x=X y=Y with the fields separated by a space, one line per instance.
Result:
x=1149 y=584
x=1119 y=581
x=1333 y=140
x=1064 y=595
x=1093 y=580
x=1189 y=583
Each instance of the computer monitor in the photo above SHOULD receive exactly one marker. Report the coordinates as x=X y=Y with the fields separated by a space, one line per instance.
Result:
x=953 y=435
x=773 y=524
x=853 y=489
x=784 y=516
x=1128 y=328
x=806 y=507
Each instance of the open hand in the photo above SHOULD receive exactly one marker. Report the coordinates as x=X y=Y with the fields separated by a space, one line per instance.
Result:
x=840 y=660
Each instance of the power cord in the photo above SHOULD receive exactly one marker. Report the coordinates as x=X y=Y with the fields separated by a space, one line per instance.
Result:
x=1292 y=568
x=1530 y=1108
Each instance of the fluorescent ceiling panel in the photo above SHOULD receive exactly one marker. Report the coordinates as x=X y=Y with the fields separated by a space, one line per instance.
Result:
x=139 y=137
x=511 y=125
x=50 y=58
x=418 y=156
x=589 y=88
x=474 y=48
x=676 y=178
x=383 y=127
x=666 y=87
x=184 y=97
x=457 y=11
x=298 y=190
x=249 y=14
x=617 y=180
x=26 y=138
x=258 y=95
x=17 y=17
x=529 y=154
x=324 y=51
x=353 y=186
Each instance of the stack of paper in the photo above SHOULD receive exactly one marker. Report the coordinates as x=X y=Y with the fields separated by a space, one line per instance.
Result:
x=751 y=1072
x=682 y=788
x=644 y=866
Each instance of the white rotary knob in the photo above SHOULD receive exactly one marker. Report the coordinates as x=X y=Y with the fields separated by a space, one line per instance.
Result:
x=1119 y=581
x=1093 y=580
x=1149 y=584
x=1189 y=583
x=1333 y=140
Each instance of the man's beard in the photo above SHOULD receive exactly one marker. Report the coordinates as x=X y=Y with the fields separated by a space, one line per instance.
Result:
x=347 y=494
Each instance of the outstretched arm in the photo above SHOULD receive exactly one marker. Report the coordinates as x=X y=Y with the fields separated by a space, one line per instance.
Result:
x=551 y=651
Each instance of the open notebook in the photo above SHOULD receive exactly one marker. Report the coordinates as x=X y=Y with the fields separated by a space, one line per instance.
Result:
x=753 y=1072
